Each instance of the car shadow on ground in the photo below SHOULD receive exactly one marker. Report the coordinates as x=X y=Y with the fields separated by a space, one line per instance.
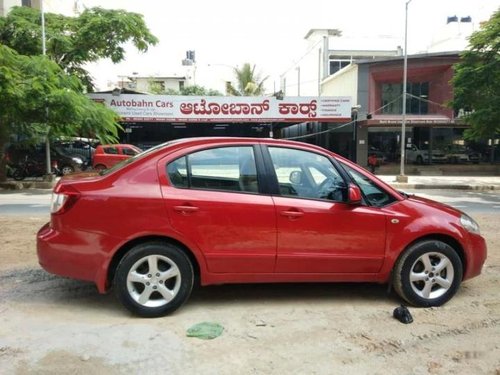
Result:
x=35 y=286
x=288 y=292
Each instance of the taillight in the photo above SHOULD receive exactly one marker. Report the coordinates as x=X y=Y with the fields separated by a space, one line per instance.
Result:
x=63 y=198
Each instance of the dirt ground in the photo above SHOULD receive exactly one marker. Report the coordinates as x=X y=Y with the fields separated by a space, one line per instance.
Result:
x=52 y=325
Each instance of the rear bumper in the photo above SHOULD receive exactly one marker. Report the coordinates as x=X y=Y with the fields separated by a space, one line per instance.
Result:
x=59 y=254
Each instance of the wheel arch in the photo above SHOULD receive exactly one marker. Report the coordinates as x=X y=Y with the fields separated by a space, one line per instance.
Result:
x=449 y=240
x=125 y=248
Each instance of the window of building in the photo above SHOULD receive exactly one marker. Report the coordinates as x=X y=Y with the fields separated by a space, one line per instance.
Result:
x=158 y=85
x=181 y=85
x=336 y=65
x=416 y=101
x=26 y=3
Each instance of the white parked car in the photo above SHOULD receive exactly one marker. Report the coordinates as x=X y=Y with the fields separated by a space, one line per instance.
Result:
x=414 y=154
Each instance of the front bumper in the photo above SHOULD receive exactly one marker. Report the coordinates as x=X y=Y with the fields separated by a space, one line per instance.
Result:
x=476 y=253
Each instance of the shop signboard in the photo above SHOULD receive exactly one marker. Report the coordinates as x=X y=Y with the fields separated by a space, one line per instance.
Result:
x=153 y=108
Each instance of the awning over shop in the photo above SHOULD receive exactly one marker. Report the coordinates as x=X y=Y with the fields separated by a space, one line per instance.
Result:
x=411 y=120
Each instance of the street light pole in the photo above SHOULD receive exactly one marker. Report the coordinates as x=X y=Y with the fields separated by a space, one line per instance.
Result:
x=402 y=177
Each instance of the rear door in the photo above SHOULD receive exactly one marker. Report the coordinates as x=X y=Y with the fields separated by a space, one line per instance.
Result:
x=213 y=199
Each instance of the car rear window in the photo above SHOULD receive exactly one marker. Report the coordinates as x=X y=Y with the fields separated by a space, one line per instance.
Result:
x=225 y=168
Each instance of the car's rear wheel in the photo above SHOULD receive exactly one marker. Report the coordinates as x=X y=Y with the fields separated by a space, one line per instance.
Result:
x=428 y=273
x=154 y=279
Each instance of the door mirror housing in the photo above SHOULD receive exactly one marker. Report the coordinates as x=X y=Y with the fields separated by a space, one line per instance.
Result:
x=354 y=194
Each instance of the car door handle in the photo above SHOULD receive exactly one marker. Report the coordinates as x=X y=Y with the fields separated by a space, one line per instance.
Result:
x=292 y=214
x=185 y=209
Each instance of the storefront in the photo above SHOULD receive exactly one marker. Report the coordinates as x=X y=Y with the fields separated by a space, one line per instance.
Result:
x=152 y=119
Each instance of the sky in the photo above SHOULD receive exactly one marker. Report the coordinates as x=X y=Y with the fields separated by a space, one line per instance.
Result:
x=270 y=33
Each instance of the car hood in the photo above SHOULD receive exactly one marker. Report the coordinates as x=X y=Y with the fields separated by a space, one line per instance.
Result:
x=440 y=206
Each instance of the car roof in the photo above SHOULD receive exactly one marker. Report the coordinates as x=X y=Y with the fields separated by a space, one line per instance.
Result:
x=210 y=140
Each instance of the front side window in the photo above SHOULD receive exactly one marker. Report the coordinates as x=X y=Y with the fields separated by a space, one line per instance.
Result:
x=372 y=193
x=303 y=174
x=225 y=168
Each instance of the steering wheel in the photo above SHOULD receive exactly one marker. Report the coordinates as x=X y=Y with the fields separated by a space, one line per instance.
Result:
x=329 y=189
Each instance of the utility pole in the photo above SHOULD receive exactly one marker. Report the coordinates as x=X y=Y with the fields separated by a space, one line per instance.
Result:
x=402 y=177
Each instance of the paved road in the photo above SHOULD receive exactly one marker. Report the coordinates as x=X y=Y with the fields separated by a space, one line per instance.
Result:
x=468 y=201
x=27 y=202
x=37 y=202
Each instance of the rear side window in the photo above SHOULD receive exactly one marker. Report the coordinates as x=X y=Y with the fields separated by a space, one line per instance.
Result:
x=225 y=168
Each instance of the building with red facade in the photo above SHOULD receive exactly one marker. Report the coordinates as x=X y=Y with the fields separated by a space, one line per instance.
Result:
x=376 y=88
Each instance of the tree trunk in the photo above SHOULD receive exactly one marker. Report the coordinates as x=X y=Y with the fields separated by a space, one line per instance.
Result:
x=3 y=159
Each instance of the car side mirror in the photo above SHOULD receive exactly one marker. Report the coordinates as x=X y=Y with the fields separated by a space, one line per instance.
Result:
x=354 y=194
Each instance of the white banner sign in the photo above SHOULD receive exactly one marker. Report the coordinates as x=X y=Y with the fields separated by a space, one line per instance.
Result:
x=151 y=108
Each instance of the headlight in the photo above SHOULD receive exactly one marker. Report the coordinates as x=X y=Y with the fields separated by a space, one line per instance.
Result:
x=469 y=223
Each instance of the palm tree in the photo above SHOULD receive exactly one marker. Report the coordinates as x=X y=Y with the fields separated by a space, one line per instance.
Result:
x=249 y=82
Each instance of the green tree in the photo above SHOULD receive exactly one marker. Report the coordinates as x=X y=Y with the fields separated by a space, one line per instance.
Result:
x=477 y=82
x=72 y=42
x=194 y=90
x=250 y=82
x=37 y=97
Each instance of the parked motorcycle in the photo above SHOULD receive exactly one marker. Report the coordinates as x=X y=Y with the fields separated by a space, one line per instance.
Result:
x=31 y=168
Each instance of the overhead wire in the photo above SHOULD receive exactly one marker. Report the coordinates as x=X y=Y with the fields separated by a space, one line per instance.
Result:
x=352 y=122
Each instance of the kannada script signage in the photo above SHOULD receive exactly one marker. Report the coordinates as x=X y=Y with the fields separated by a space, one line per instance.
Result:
x=151 y=108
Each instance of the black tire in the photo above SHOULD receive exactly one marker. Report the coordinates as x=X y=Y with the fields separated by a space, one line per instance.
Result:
x=67 y=169
x=146 y=295
x=436 y=270
x=18 y=174
x=420 y=160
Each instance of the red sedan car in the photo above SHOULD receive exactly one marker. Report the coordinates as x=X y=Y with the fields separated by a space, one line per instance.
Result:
x=105 y=156
x=241 y=210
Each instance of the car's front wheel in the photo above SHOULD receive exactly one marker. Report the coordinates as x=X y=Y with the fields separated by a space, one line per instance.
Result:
x=428 y=273
x=154 y=279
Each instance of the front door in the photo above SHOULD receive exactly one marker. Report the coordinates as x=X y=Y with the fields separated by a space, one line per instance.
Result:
x=318 y=231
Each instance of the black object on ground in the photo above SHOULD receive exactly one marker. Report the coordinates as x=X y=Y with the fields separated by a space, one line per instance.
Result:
x=402 y=314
